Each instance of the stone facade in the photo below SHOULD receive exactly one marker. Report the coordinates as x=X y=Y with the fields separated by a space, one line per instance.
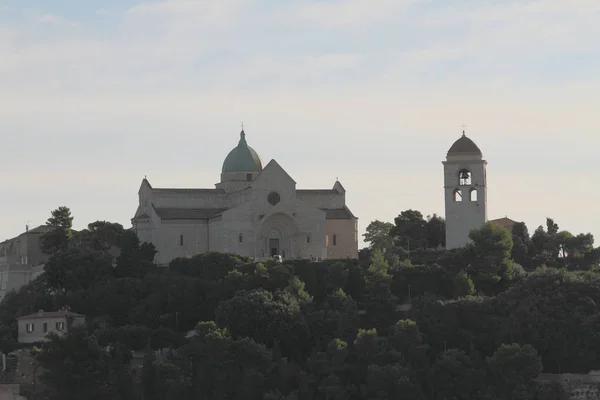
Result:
x=21 y=260
x=34 y=328
x=465 y=191
x=256 y=212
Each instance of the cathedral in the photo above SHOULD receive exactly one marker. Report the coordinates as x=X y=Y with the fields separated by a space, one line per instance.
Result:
x=254 y=210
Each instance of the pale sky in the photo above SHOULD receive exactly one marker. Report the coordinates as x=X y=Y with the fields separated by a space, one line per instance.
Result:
x=96 y=94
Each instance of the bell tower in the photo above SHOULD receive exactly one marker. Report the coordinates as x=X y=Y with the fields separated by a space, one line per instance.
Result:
x=465 y=191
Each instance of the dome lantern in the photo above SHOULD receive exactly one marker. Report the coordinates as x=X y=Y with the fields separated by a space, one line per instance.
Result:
x=242 y=158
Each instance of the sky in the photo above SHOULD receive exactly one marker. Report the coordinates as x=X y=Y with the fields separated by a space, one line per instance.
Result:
x=96 y=94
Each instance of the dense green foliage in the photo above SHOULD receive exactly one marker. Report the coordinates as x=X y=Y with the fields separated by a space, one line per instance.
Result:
x=485 y=320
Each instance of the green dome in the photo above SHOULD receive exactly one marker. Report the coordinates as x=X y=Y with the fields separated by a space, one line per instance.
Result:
x=242 y=158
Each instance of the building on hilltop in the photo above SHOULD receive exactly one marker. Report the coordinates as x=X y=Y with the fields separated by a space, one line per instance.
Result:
x=504 y=222
x=21 y=259
x=465 y=191
x=254 y=211
x=33 y=328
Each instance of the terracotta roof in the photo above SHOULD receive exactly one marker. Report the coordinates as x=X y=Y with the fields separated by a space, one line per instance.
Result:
x=504 y=222
x=338 y=213
x=464 y=145
x=188 y=213
x=51 y=314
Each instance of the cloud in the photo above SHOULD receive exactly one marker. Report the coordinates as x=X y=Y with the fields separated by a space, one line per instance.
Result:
x=345 y=13
x=53 y=19
x=371 y=91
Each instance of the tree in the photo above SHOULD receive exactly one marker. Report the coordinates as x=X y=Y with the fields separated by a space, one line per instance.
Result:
x=463 y=285
x=378 y=235
x=223 y=367
x=513 y=367
x=435 y=232
x=61 y=224
x=100 y=236
x=72 y=270
x=522 y=245
x=456 y=376
x=76 y=367
x=490 y=253
x=409 y=230
x=379 y=300
x=265 y=317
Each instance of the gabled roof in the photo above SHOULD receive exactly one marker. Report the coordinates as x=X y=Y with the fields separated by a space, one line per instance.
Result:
x=317 y=191
x=182 y=191
x=188 y=213
x=51 y=314
x=504 y=222
x=275 y=164
x=187 y=191
x=339 y=187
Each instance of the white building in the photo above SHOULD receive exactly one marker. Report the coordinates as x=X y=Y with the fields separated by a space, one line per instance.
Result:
x=465 y=191
x=33 y=328
x=254 y=211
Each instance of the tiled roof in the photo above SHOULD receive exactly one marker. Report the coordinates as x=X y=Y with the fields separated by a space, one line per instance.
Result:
x=51 y=314
x=338 y=213
x=188 y=213
x=464 y=145
x=187 y=191
x=504 y=222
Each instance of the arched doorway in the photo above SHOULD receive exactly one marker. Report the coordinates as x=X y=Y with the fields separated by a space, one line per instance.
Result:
x=277 y=236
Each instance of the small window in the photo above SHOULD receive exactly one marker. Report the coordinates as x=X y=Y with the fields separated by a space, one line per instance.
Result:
x=335 y=240
x=458 y=195
x=249 y=177
x=241 y=238
x=60 y=326
x=181 y=240
x=45 y=327
x=29 y=328
x=473 y=195
x=308 y=239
